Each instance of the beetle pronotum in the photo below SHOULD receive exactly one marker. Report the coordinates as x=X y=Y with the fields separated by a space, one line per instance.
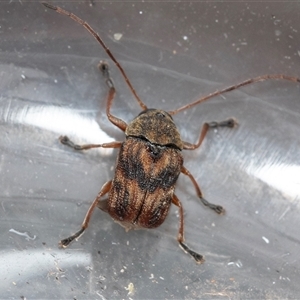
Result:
x=149 y=161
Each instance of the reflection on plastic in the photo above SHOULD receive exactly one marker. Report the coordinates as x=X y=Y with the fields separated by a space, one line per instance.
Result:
x=283 y=177
x=60 y=120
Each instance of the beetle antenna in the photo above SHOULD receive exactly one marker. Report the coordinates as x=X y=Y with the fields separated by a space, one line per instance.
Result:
x=98 y=38
x=234 y=87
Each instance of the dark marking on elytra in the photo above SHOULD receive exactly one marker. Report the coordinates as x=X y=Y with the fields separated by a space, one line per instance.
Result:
x=132 y=165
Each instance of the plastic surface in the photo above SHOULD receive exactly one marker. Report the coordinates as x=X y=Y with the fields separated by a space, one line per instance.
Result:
x=173 y=53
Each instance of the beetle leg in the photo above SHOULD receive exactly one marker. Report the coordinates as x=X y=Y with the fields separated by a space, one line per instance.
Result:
x=180 y=238
x=103 y=66
x=217 y=208
x=104 y=190
x=206 y=126
x=66 y=141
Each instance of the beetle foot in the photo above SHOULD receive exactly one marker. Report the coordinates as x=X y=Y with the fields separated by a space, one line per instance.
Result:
x=64 y=140
x=196 y=256
x=227 y=123
x=217 y=208
x=66 y=242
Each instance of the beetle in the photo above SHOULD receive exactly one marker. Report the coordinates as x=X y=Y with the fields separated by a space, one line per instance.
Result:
x=149 y=160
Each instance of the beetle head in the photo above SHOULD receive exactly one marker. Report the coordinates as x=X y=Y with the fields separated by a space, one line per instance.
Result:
x=157 y=126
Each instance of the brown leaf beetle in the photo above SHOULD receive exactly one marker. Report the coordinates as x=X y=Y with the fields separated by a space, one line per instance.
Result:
x=149 y=161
